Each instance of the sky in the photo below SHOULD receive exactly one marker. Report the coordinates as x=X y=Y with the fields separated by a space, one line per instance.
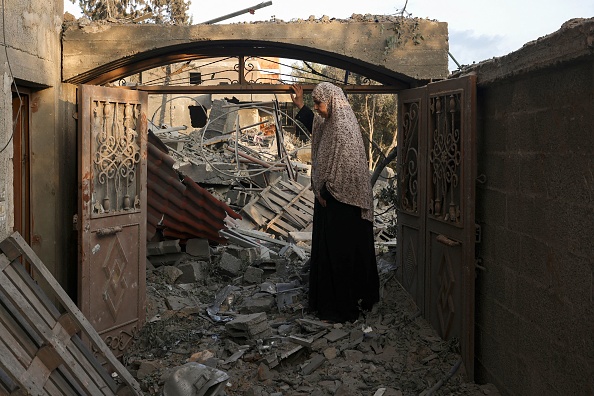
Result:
x=478 y=29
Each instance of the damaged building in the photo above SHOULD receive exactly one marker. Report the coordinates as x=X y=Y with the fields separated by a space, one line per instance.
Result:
x=155 y=237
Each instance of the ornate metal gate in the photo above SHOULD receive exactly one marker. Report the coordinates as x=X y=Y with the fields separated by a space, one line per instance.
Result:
x=112 y=211
x=436 y=189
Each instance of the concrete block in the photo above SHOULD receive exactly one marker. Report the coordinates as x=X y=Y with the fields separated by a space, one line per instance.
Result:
x=199 y=248
x=193 y=272
x=229 y=264
x=171 y=273
x=259 y=303
x=254 y=326
x=313 y=364
x=253 y=275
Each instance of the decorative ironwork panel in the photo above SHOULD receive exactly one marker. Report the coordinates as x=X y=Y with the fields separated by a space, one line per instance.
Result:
x=409 y=165
x=116 y=155
x=445 y=155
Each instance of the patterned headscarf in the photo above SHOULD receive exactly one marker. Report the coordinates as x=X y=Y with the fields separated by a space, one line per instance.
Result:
x=338 y=153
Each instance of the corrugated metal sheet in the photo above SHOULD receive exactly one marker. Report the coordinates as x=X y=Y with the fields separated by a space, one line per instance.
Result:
x=177 y=206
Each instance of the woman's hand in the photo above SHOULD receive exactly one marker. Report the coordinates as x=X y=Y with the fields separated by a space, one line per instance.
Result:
x=297 y=98
x=321 y=199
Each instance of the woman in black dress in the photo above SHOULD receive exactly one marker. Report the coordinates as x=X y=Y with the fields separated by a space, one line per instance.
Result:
x=343 y=274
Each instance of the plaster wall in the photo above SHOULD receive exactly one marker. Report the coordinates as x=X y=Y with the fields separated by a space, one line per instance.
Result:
x=31 y=58
x=535 y=300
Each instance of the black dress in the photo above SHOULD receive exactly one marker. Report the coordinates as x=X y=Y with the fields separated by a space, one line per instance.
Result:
x=343 y=276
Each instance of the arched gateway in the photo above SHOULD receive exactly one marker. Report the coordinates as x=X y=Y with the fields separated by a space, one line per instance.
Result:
x=399 y=53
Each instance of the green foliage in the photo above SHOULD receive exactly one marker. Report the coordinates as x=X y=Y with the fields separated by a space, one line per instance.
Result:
x=173 y=12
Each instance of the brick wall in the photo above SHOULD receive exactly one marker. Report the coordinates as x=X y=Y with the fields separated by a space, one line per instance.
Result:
x=535 y=300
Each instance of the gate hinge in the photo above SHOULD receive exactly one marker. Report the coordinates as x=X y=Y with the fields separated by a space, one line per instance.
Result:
x=75 y=222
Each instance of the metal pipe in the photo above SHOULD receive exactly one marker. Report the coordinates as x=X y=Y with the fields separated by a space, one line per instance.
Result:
x=236 y=13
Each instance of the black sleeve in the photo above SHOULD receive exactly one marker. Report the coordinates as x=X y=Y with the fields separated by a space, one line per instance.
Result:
x=306 y=117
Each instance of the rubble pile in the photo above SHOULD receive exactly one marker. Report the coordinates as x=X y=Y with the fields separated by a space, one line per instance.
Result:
x=232 y=319
x=263 y=342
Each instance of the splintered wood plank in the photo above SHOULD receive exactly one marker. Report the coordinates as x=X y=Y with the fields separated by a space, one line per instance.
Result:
x=62 y=362
x=297 y=188
x=63 y=327
x=268 y=203
x=251 y=209
x=34 y=319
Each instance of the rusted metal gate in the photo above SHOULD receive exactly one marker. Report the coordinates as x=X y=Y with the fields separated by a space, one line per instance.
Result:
x=112 y=211
x=436 y=190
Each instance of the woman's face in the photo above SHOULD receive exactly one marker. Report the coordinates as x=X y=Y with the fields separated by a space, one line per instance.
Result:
x=321 y=108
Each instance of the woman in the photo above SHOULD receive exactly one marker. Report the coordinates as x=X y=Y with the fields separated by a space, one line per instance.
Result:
x=343 y=275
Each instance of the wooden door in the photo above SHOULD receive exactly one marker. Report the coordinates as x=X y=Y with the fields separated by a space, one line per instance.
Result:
x=112 y=211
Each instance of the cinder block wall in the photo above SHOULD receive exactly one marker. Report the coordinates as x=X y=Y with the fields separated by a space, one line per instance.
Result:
x=535 y=301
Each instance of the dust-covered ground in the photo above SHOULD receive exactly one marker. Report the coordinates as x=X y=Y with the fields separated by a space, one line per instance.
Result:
x=389 y=351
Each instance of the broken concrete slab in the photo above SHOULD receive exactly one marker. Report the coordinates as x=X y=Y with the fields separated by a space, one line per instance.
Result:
x=260 y=302
x=249 y=327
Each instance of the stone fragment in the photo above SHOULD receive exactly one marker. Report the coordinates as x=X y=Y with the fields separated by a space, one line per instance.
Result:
x=171 y=273
x=313 y=364
x=335 y=335
x=147 y=367
x=253 y=275
x=330 y=353
x=263 y=373
x=193 y=272
x=229 y=264
x=202 y=356
x=177 y=302
x=250 y=327
x=257 y=303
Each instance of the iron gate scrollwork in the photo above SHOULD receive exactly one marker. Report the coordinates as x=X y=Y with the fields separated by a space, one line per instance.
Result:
x=410 y=184
x=436 y=181
x=445 y=157
x=116 y=156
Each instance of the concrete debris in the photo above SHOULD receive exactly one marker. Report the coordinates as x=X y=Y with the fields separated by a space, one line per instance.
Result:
x=232 y=318
x=266 y=342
